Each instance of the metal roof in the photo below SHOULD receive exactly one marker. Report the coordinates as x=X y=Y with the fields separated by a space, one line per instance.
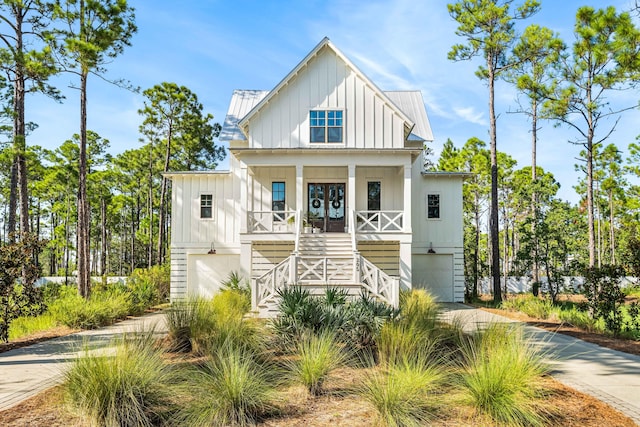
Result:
x=242 y=101
x=412 y=104
x=409 y=102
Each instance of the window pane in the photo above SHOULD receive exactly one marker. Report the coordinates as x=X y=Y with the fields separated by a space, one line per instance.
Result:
x=335 y=134
x=206 y=203
x=277 y=196
x=433 y=206
x=373 y=197
x=317 y=134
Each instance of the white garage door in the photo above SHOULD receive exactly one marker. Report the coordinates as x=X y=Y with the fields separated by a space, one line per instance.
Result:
x=434 y=273
x=205 y=273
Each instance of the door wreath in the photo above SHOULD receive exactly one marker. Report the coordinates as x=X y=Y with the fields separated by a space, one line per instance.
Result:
x=315 y=203
x=335 y=204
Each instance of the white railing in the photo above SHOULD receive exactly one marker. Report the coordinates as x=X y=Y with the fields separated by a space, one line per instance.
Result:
x=298 y=230
x=379 y=221
x=379 y=283
x=265 y=288
x=324 y=269
x=271 y=221
x=352 y=230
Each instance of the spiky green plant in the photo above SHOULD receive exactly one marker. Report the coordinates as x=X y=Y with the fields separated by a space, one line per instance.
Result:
x=402 y=392
x=419 y=308
x=502 y=376
x=131 y=387
x=182 y=322
x=233 y=387
x=317 y=356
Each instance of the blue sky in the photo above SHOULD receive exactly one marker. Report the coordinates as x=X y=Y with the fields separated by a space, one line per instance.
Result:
x=215 y=46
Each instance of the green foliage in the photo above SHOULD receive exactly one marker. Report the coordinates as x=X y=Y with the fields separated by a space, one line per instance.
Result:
x=530 y=305
x=240 y=287
x=605 y=296
x=203 y=325
x=501 y=376
x=316 y=357
x=103 y=307
x=27 y=325
x=233 y=387
x=402 y=393
x=17 y=260
x=150 y=286
x=130 y=388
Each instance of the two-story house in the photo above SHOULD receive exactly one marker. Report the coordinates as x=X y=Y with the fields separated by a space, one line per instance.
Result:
x=325 y=187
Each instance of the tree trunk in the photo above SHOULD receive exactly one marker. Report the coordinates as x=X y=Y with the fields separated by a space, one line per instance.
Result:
x=163 y=191
x=13 y=200
x=493 y=220
x=103 y=236
x=476 y=249
x=534 y=196
x=150 y=204
x=590 y=219
x=612 y=233
x=84 y=277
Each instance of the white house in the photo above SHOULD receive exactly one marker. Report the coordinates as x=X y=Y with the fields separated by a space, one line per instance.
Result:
x=326 y=187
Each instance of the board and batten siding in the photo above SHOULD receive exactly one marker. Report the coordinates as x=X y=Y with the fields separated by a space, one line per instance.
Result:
x=441 y=272
x=186 y=224
x=327 y=82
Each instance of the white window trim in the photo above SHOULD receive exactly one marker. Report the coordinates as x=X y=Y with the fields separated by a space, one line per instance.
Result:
x=213 y=206
x=426 y=205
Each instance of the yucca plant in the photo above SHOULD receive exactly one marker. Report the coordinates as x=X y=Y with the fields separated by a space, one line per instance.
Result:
x=131 y=387
x=502 y=376
x=316 y=357
x=233 y=387
x=402 y=392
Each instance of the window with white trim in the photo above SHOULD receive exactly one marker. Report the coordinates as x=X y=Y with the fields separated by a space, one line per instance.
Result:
x=206 y=206
x=326 y=126
x=278 y=195
x=433 y=206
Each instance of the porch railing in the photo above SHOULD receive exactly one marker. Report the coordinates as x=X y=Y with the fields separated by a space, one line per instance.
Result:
x=271 y=221
x=379 y=221
x=322 y=271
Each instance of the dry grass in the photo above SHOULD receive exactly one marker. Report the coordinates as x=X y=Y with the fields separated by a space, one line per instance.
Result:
x=339 y=406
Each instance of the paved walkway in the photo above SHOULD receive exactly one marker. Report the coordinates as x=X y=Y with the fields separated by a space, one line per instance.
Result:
x=608 y=375
x=25 y=372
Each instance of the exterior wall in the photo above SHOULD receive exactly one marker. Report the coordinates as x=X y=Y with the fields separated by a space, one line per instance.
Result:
x=443 y=235
x=327 y=83
x=391 y=187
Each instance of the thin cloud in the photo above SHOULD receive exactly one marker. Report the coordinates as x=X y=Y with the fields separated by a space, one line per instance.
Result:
x=469 y=114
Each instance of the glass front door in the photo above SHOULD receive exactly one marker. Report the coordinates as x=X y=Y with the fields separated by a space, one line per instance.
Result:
x=326 y=208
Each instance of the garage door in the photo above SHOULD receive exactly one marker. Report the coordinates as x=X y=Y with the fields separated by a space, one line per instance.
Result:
x=205 y=273
x=434 y=273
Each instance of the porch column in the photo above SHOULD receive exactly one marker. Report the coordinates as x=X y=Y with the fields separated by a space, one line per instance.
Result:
x=300 y=189
x=351 y=194
x=406 y=223
x=244 y=197
x=406 y=266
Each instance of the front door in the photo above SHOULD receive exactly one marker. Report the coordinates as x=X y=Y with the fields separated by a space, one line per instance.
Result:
x=325 y=206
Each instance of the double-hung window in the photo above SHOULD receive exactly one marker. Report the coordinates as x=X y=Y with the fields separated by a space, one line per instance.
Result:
x=326 y=126
x=206 y=206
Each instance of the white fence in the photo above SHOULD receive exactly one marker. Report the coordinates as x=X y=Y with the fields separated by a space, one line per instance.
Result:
x=523 y=284
x=72 y=279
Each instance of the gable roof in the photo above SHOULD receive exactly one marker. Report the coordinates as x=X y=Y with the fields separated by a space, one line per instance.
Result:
x=324 y=43
x=242 y=101
x=412 y=103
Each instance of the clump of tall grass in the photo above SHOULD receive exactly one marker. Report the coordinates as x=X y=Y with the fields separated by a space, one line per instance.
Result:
x=402 y=392
x=579 y=319
x=28 y=325
x=102 y=308
x=502 y=376
x=233 y=387
x=199 y=324
x=530 y=305
x=130 y=387
x=316 y=357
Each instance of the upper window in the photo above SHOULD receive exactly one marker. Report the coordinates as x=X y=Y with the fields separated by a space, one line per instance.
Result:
x=206 y=206
x=433 y=206
x=326 y=126
x=277 y=199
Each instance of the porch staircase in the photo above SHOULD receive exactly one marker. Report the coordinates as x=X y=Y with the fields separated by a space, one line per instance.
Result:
x=323 y=260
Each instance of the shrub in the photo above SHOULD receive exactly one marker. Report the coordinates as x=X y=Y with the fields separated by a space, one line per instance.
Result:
x=120 y=390
x=530 y=305
x=232 y=388
x=317 y=356
x=234 y=282
x=402 y=394
x=605 y=297
x=155 y=282
x=182 y=317
x=102 y=308
x=501 y=376
x=27 y=325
